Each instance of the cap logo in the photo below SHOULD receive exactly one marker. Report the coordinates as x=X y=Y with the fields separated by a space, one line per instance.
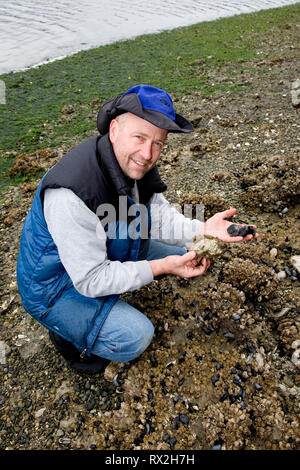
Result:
x=165 y=102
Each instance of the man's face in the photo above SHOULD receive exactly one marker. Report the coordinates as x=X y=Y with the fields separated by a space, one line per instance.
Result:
x=137 y=144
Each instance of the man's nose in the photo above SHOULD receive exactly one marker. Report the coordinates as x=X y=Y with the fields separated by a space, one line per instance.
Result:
x=146 y=151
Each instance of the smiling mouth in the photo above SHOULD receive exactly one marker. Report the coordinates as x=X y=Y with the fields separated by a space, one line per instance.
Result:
x=137 y=162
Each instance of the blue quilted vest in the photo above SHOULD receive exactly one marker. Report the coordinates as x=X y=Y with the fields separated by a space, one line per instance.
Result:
x=92 y=172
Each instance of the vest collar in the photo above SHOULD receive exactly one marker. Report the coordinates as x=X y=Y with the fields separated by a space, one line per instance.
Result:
x=150 y=183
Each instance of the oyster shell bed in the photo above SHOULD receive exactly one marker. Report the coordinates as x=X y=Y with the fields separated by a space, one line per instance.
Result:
x=223 y=368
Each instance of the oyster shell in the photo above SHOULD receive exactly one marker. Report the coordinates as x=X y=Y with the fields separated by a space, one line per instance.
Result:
x=207 y=247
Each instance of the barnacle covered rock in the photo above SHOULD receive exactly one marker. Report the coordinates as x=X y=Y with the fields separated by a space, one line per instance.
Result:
x=271 y=185
x=252 y=279
x=207 y=247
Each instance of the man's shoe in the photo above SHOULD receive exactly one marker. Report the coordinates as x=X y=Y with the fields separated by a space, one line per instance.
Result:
x=87 y=365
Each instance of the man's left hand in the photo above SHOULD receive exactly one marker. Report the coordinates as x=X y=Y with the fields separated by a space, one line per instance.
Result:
x=217 y=227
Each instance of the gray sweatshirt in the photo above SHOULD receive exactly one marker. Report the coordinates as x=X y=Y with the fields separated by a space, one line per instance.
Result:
x=81 y=242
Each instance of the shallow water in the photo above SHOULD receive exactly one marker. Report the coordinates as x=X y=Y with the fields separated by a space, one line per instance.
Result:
x=35 y=31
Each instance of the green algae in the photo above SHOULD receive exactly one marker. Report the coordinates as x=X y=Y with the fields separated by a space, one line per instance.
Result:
x=178 y=60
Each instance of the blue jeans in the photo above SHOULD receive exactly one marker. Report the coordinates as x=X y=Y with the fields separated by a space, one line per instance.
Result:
x=127 y=332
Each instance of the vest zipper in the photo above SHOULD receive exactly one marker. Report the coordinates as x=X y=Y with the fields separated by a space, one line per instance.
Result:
x=83 y=352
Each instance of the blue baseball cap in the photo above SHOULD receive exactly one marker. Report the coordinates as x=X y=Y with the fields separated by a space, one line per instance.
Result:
x=147 y=102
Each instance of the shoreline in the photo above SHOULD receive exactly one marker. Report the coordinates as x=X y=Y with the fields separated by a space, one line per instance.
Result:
x=211 y=16
x=33 y=117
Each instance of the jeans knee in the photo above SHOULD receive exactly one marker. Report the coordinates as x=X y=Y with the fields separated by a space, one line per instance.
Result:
x=138 y=340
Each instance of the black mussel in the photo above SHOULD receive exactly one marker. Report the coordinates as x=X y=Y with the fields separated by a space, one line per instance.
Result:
x=233 y=398
x=251 y=230
x=237 y=380
x=198 y=358
x=241 y=231
x=257 y=386
x=250 y=348
x=224 y=395
x=153 y=360
x=215 y=378
x=176 y=422
x=190 y=335
x=172 y=441
x=233 y=230
x=149 y=415
x=206 y=330
x=229 y=335
x=181 y=358
x=193 y=407
x=147 y=428
x=217 y=447
x=177 y=398
x=184 y=418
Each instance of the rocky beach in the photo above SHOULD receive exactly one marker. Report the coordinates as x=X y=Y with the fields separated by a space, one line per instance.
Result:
x=222 y=371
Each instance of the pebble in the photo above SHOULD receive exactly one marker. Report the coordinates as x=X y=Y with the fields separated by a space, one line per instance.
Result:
x=296 y=357
x=39 y=413
x=295 y=260
x=295 y=93
x=273 y=253
x=281 y=275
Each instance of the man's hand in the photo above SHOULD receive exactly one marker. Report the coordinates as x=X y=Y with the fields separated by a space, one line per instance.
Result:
x=185 y=266
x=217 y=227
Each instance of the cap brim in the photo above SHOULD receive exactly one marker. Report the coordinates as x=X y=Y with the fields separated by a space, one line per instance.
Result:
x=130 y=103
x=161 y=120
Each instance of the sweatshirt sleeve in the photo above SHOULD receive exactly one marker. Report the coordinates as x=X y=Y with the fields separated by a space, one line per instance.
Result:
x=81 y=243
x=169 y=226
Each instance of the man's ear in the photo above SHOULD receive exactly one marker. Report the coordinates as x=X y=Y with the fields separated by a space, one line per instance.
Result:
x=113 y=130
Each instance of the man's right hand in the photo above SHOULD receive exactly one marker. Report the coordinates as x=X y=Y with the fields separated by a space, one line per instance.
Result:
x=185 y=266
